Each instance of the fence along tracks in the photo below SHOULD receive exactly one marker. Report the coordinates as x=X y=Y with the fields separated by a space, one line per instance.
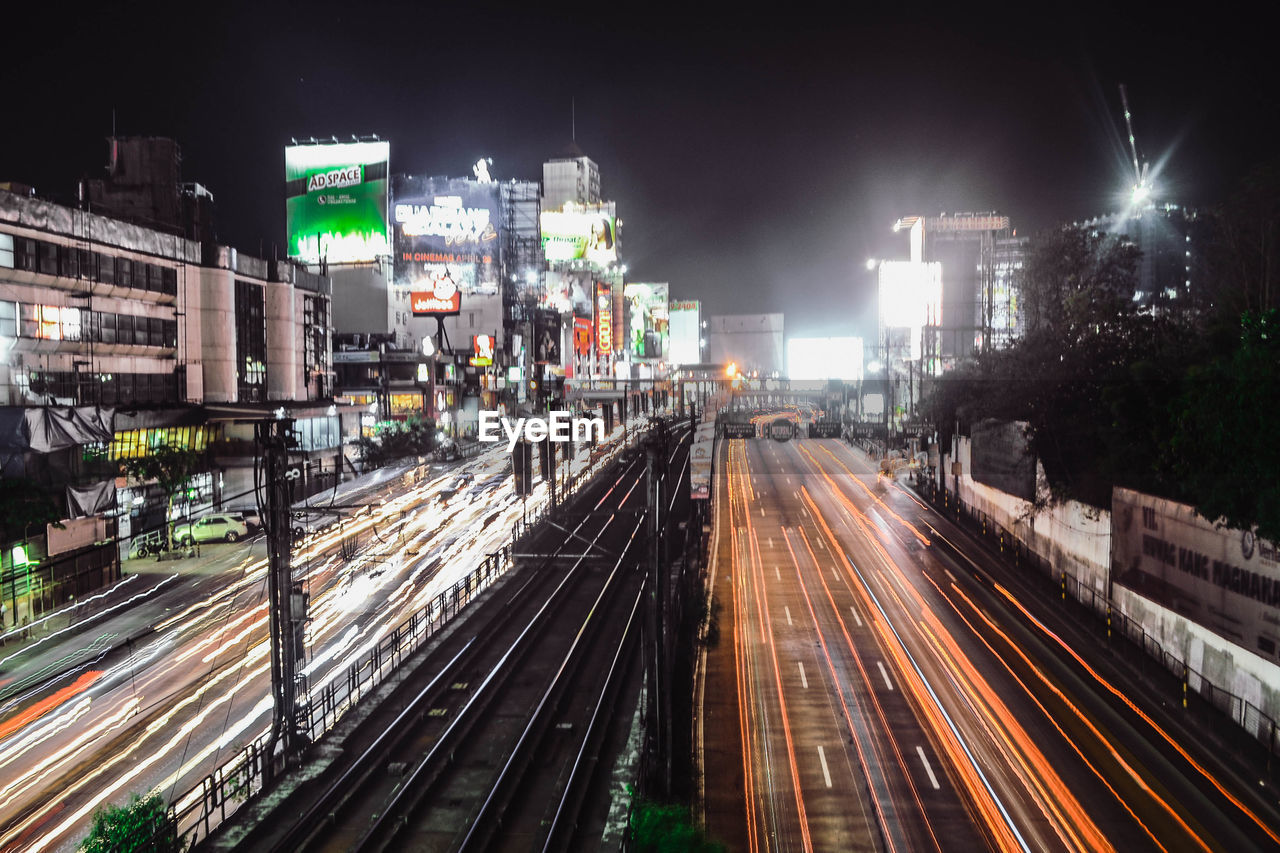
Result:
x=444 y=731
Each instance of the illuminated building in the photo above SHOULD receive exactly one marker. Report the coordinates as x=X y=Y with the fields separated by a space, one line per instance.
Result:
x=116 y=337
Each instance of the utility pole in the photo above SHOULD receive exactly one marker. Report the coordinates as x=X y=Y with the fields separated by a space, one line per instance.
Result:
x=288 y=599
x=659 y=694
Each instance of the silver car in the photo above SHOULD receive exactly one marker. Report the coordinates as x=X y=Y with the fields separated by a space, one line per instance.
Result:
x=211 y=528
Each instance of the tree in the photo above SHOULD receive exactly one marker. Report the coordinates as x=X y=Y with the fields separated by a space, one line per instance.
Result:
x=1093 y=375
x=173 y=469
x=24 y=504
x=1223 y=448
x=398 y=439
x=143 y=826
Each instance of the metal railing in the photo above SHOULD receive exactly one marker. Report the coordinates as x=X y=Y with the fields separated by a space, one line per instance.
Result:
x=1200 y=697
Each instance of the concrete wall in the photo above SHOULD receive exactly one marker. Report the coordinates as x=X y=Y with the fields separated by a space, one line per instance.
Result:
x=1074 y=537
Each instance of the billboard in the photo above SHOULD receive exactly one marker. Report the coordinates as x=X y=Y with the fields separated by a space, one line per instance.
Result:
x=445 y=229
x=1224 y=579
x=581 y=234
x=336 y=202
x=647 y=327
x=1001 y=457
x=546 y=337
x=604 y=318
x=684 y=332
x=910 y=297
x=568 y=291
x=700 y=456
x=482 y=347
x=441 y=298
x=582 y=335
x=824 y=358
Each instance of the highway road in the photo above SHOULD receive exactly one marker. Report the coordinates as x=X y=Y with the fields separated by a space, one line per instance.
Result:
x=167 y=710
x=876 y=687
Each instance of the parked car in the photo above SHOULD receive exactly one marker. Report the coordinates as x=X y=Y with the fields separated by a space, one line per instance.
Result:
x=211 y=528
x=146 y=544
x=251 y=518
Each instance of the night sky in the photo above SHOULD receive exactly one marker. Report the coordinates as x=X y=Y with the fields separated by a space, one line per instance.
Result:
x=757 y=162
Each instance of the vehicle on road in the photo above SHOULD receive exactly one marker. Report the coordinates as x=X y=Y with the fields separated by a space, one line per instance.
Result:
x=211 y=528
x=146 y=544
x=251 y=518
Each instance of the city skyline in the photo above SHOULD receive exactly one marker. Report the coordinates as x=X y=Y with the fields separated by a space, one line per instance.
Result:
x=750 y=161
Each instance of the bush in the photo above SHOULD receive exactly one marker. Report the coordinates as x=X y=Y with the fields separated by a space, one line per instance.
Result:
x=659 y=828
x=141 y=827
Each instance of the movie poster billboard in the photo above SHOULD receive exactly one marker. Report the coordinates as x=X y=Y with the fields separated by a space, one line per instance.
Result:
x=1225 y=579
x=546 y=337
x=445 y=230
x=684 y=332
x=604 y=318
x=581 y=234
x=336 y=202
x=647 y=332
x=582 y=335
x=568 y=291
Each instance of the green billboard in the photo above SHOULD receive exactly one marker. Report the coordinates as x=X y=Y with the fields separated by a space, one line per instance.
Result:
x=336 y=201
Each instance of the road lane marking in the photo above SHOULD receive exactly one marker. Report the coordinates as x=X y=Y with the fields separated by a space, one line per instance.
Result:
x=826 y=774
x=788 y=609
x=933 y=780
x=884 y=675
x=761 y=512
x=856 y=617
x=804 y=682
x=770 y=541
x=953 y=577
x=777 y=572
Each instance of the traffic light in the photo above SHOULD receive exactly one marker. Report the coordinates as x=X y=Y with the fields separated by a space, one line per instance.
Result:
x=522 y=468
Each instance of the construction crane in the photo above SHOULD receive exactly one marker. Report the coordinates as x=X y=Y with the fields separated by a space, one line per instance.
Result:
x=1141 y=189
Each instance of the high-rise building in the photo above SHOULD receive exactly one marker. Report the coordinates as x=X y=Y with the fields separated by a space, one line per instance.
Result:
x=1163 y=233
x=575 y=177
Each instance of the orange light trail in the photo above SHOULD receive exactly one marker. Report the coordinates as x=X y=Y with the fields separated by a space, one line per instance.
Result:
x=763 y=615
x=47 y=704
x=980 y=794
x=1048 y=715
x=857 y=659
x=1235 y=801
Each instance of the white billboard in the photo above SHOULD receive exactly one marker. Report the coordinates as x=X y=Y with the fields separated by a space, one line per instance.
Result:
x=685 y=325
x=910 y=294
x=824 y=358
x=1225 y=579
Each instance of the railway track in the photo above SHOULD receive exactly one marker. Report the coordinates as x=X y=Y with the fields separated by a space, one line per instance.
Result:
x=496 y=746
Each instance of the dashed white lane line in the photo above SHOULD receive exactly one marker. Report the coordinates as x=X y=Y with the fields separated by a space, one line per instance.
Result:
x=884 y=675
x=762 y=511
x=788 y=610
x=804 y=681
x=777 y=573
x=770 y=541
x=856 y=617
x=933 y=780
x=826 y=773
x=953 y=577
